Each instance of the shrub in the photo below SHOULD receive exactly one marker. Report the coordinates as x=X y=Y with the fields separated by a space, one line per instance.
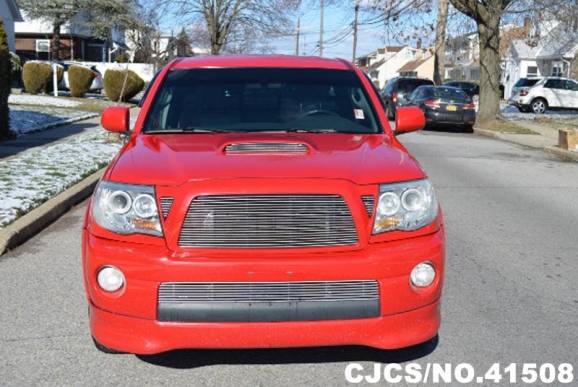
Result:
x=114 y=81
x=36 y=76
x=5 y=85
x=79 y=80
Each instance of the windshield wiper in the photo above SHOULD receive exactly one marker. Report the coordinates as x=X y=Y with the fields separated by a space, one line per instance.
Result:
x=188 y=130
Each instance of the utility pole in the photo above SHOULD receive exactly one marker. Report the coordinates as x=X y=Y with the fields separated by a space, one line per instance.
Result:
x=356 y=5
x=297 y=38
x=321 y=30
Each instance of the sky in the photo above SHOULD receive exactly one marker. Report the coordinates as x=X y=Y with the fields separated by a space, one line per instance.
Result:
x=338 y=33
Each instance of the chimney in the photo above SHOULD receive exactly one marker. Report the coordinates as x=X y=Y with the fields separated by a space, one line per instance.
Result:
x=527 y=25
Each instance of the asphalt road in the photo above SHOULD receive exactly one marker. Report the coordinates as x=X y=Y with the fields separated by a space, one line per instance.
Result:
x=510 y=296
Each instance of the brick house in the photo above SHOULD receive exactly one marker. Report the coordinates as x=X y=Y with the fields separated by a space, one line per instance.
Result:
x=34 y=41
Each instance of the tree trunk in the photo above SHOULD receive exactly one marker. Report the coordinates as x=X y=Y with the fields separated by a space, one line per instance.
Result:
x=56 y=41
x=440 y=45
x=489 y=35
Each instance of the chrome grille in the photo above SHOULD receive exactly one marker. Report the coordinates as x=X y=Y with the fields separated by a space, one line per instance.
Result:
x=266 y=147
x=183 y=292
x=267 y=301
x=268 y=221
x=368 y=203
x=166 y=204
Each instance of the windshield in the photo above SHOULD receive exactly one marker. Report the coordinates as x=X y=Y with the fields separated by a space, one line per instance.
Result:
x=526 y=82
x=261 y=99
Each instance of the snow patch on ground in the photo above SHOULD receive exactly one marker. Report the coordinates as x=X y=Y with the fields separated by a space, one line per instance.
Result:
x=41 y=100
x=36 y=176
x=28 y=119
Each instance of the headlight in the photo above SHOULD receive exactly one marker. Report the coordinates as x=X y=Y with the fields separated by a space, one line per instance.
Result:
x=405 y=206
x=126 y=208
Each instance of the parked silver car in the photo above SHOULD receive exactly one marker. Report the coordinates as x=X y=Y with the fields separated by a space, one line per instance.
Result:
x=540 y=94
x=97 y=84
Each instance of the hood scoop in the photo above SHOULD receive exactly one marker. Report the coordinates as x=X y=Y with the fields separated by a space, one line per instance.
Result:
x=266 y=147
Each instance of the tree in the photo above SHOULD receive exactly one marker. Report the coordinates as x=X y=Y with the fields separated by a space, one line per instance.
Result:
x=183 y=43
x=440 y=45
x=487 y=15
x=100 y=16
x=268 y=18
x=56 y=12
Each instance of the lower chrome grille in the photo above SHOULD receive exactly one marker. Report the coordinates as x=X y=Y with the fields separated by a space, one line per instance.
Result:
x=268 y=221
x=268 y=301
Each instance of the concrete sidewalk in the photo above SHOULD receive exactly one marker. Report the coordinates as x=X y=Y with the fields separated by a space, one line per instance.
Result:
x=12 y=148
x=546 y=139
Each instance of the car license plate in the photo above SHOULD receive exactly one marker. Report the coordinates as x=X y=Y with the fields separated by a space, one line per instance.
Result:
x=451 y=108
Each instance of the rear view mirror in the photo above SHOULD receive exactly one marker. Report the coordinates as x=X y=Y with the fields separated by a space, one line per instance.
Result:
x=408 y=119
x=116 y=119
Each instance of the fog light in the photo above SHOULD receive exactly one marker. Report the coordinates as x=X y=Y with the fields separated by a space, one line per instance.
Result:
x=110 y=278
x=423 y=275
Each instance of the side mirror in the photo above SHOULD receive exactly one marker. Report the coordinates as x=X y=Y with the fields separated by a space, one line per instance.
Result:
x=116 y=119
x=408 y=119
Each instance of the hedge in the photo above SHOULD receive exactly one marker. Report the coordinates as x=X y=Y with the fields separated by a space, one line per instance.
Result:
x=114 y=81
x=79 y=80
x=37 y=76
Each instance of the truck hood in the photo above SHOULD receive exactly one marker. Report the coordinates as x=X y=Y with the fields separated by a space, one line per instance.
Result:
x=173 y=159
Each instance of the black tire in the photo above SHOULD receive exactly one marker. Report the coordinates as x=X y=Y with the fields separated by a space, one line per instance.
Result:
x=539 y=105
x=104 y=349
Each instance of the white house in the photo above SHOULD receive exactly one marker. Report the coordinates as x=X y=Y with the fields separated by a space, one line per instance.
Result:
x=10 y=14
x=556 y=54
x=383 y=64
x=519 y=62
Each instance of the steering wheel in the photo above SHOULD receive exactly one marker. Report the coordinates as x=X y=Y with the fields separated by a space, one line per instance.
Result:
x=318 y=112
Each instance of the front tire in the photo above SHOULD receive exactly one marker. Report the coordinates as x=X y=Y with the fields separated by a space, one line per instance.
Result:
x=539 y=105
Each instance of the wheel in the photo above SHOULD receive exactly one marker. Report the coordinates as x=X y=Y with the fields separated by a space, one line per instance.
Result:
x=104 y=349
x=539 y=105
x=318 y=112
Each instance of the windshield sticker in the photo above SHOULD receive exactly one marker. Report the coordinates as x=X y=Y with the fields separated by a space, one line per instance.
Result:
x=359 y=114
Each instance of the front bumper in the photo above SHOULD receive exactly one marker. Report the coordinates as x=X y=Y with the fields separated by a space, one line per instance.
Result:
x=127 y=320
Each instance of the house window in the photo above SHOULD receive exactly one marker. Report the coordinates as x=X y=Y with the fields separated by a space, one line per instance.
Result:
x=475 y=74
x=43 y=49
x=408 y=74
x=532 y=71
x=557 y=69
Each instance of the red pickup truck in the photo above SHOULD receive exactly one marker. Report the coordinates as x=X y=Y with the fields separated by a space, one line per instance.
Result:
x=262 y=201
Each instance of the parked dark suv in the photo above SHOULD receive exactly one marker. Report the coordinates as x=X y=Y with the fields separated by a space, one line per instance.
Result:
x=397 y=91
x=470 y=88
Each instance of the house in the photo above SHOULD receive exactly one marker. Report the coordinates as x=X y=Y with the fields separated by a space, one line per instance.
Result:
x=383 y=64
x=34 y=41
x=460 y=54
x=10 y=14
x=422 y=66
x=553 y=54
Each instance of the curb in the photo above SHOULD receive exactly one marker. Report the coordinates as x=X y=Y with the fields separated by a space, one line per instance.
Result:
x=33 y=222
x=569 y=155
